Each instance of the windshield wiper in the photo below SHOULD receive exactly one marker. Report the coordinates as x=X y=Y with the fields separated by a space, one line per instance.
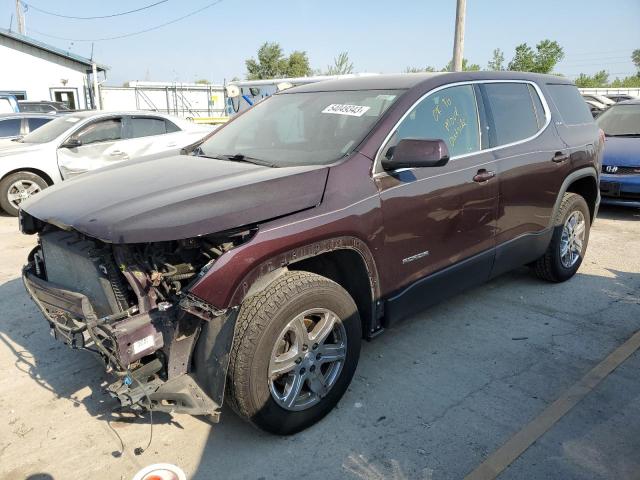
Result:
x=622 y=134
x=239 y=157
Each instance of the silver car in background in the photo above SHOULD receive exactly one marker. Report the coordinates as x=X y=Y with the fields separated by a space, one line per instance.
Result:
x=78 y=142
x=16 y=125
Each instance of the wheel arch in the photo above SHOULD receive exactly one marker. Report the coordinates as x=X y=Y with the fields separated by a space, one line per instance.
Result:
x=345 y=260
x=584 y=182
x=35 y=171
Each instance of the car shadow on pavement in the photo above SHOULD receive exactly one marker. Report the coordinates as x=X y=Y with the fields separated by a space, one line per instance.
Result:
x=450 y=349
x=502 y=351
x=55 y=367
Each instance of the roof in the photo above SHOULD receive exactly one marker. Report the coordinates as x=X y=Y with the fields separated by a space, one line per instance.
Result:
x=28 y=115
x=50 y=48
x=403 y=81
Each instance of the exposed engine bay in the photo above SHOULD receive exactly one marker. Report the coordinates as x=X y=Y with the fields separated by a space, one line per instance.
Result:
x=130 y=304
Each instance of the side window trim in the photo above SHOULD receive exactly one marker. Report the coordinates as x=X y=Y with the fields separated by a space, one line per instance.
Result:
x=378 y=158
x=79 y=130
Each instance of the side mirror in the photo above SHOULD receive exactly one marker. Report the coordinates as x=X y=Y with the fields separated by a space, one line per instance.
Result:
x=71 y=143
x=413 y=153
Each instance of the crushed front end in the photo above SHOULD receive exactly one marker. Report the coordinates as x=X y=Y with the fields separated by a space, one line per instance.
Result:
x=130 y=304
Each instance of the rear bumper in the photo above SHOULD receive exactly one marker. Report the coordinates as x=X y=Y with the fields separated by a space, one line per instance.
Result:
x=128 y=343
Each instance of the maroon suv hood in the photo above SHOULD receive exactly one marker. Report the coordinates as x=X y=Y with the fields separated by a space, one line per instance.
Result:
x=176 y=197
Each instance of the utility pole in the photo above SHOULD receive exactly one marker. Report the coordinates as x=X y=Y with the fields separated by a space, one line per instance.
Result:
x=458 y=40
x=20 y=17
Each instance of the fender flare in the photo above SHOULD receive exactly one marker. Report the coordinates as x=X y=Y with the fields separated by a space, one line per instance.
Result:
x=261 y=275
x=572 y=177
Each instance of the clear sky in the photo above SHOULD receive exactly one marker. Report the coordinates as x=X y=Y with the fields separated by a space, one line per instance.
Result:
x=380 y=36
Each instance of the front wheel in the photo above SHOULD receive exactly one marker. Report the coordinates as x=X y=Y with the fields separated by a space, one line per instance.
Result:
x=569 y=242
x=16 y=188
x=295 y=351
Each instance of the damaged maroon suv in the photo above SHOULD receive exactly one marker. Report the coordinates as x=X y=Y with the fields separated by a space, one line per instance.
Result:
x=251 y=267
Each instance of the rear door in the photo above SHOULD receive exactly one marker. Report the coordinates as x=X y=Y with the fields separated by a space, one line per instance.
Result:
x=148 y=135
x=100 y=145
x=437 y=217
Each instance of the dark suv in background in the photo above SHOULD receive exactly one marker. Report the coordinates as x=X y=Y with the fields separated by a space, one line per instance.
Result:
x=318 y=217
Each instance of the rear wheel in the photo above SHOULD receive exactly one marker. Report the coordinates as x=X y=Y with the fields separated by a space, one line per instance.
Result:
x=569 y=242
x=16 y=188
x=295 y=351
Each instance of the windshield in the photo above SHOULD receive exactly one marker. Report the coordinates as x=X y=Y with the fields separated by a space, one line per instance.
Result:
x=51 y=130
x=312 y=128
x=620 y=120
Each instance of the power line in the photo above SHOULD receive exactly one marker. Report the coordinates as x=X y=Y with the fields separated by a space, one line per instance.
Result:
x=33 y=7
x=139 y=32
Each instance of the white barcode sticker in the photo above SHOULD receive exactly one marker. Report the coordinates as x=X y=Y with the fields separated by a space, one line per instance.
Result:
x=351 y=110
x=143 y=344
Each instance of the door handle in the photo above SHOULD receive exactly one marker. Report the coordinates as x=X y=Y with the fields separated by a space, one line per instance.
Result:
x=560 y=157
x=117 y=153
x=172 y=144
x=483 y=176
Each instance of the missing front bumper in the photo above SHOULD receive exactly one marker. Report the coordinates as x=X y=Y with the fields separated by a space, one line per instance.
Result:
x=150 y=353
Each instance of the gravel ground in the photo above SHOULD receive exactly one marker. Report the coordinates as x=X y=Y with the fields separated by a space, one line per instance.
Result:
x=431 y=399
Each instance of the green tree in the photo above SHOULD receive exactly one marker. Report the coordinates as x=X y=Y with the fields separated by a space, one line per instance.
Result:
x=419 y=69
x=600 y=79
x=466 y=66
x=546 y=56
x=635 y=57
x=341 y=65
x=297 y=65
x=628 y=82
x=497 y=61
x=203 y=81
x=271 y=63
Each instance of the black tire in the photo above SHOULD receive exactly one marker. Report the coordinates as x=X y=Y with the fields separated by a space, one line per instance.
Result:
x=260 y=320
x=9 y=180
x=549 y=267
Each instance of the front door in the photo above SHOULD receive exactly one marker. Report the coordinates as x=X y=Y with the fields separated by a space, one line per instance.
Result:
x=101 y=143
x=439 y=219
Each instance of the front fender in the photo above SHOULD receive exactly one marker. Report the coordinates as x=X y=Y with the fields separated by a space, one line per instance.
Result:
x=230 y=279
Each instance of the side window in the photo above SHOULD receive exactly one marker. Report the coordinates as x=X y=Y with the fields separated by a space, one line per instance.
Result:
x=512 y=108
x=10 y=128
x=171 y=127
x=101 y=131
x=450 y=114
x=37 y=122
x=147 y=127
x=573 y=109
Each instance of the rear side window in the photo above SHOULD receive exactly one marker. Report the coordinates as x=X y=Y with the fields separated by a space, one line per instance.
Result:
x=10 y=128
x=572 y=107
x=147 y=127
x=37 y=122
x=450 y=114
x=511 y=106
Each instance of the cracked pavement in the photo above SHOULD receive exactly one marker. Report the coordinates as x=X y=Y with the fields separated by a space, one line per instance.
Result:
x=431 y=399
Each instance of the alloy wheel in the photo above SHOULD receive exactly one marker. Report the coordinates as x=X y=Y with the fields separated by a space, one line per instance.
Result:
x=307 y=359
x=572 y=240
x=20 y=190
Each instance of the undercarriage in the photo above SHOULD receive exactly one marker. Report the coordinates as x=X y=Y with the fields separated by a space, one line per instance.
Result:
x=130 y=304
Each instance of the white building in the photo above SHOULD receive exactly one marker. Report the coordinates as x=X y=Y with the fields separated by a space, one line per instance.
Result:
x=32 y=70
